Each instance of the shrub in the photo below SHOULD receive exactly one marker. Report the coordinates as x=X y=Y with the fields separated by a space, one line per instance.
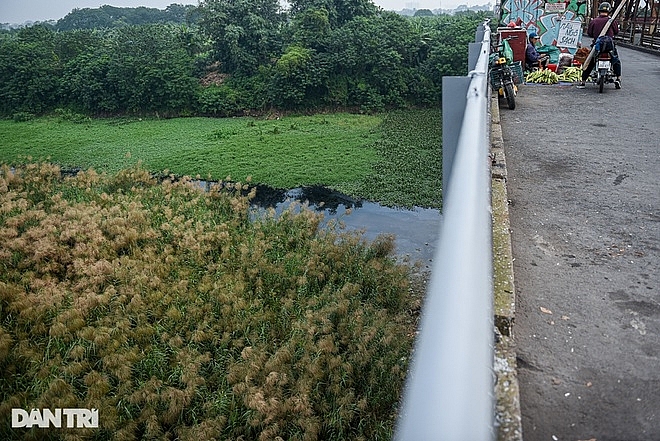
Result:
x=177 y=316
x=218 y=101
x=22 y=116
x=71 y=116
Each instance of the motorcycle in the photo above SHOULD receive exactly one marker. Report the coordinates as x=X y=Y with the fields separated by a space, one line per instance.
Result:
x=501 y=73
x=603 y=73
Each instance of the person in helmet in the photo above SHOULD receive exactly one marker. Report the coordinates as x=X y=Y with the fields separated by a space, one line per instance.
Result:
x=597 y=24
x=594 y=29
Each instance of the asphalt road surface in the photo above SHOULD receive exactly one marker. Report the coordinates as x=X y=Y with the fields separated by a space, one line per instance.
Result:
x=584 y=189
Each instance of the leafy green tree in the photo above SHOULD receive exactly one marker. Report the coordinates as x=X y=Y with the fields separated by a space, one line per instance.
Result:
x=78 y=51
x=311 y=28
x=299 y=78
x=340 y=12
x=111 y=17
x=136 y=69
x=87 y=85
x=178 y=13
x=245 y=33
x=162 y=67
x=68 y=45
x=423 y=13
x=450 y=37
x=374 y=55
x=29 y=71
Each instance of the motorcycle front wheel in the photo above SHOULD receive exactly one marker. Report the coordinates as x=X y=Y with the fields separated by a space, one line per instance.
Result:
x=510 y=95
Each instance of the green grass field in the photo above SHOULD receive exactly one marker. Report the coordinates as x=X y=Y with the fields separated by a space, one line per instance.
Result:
x=393 y=158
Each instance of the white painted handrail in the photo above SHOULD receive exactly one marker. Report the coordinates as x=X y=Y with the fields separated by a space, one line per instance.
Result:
x=449 y=391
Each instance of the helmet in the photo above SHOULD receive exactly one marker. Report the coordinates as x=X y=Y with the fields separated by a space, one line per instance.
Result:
x=604 y=7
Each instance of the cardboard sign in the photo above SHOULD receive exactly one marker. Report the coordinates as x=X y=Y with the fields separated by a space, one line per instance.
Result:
x=551 y=8
x=569 y=34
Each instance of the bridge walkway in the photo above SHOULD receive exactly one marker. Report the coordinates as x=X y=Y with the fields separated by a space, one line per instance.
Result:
x=584 y=191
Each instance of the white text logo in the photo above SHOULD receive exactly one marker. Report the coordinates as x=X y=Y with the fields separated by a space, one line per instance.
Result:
x=73 y=418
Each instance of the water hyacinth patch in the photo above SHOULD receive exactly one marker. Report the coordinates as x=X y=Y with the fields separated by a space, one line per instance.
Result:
x=178 y=316
x=393 y=158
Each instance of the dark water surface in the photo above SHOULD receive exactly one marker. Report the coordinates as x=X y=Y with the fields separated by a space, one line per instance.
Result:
x=415 y=231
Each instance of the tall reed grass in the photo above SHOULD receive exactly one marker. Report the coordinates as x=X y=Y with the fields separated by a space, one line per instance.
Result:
x=178 y=316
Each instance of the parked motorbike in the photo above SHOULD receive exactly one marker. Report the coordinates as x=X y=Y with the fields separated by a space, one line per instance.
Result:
x=501 y=73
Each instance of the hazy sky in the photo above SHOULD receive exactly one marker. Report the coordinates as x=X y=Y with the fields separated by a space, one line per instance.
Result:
x=18 y=11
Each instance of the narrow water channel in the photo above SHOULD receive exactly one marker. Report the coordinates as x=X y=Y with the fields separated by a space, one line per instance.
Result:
x=415 y=231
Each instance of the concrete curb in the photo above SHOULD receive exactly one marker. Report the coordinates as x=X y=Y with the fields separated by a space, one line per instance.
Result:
x=508 y=421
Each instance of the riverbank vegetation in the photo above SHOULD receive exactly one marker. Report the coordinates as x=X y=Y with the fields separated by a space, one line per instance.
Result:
x=393 y=157
x=177 y=316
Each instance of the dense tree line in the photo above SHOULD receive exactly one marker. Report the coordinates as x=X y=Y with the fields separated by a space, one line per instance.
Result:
x=237 y=56
x=108 y=16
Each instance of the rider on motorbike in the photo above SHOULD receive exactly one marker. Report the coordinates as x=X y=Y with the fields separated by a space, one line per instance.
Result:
x=593 y=30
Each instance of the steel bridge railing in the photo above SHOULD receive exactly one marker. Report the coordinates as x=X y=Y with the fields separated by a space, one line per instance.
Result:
x=640 y=25
x=449 y=391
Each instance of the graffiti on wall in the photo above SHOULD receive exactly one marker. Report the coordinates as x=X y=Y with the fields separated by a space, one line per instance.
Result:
x=536 y=16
